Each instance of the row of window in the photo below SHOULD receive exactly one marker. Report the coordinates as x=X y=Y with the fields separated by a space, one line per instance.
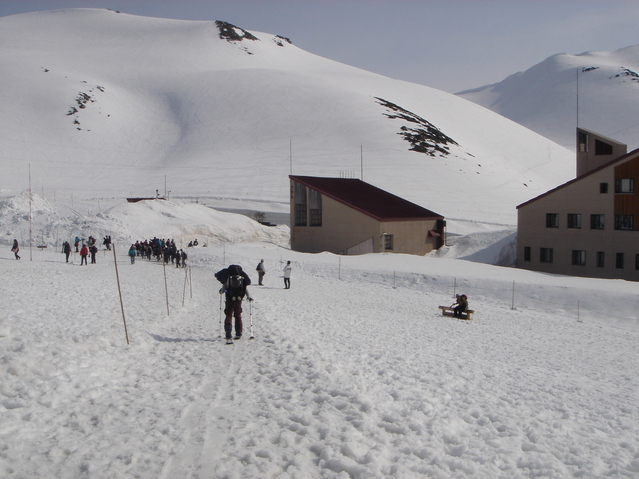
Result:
x=546 y=255
x=597 y=222
x=307 y=208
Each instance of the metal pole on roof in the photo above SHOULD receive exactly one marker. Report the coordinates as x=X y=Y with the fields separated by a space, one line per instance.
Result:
x=361 y=160
x=290 y=154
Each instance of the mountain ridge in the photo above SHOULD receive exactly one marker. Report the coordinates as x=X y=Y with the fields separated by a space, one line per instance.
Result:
x=161 y=101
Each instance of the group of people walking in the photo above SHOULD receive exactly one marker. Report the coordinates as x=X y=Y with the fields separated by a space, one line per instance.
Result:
x=160 y=249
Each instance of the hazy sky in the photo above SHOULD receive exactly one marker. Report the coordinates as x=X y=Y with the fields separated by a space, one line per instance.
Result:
x=451 y=45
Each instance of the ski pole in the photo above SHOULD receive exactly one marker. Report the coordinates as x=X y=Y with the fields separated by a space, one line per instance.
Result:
x=251 y=318
x=220 y=336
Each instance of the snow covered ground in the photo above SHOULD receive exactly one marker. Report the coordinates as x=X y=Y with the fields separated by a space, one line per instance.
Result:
x=352 y=373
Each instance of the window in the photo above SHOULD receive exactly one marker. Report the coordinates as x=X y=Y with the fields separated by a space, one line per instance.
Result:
x=388 y=242
x=574 y=220
x=315 y=208
x=552 y=220
x=637 y=261
x=596 y=222
x=301 y=215
x=603 y=188
x=602 y=148
x=578 y=257
x=625 y=185
x=545 y=255
x=601 y=256
x=624 y=222
x=583 y=142
x=619 y=260
x=527 y=253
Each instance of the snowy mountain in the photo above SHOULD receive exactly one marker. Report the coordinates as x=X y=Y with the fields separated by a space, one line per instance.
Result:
x=598 y=88
x=103 y=105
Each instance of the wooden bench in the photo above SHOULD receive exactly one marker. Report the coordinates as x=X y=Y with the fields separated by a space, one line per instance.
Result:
x=448 y=311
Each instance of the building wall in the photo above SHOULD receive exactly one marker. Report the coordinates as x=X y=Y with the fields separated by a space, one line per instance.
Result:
x=588 y=159
x=343 y=227
x=582 y=197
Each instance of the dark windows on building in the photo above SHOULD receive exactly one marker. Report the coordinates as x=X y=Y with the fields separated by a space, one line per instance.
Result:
x=624 y=222
x=299 y=197
x=596 y=222
x=552 y=220
x=545 y=255
x=602 y=148
x=578 y=257
x=601 y=258
x=603 y=188
x=624 y=185
x=315 y=207
x=574 y=220
x=619 y=260
x=388 y=242
x=583 y=141
x=637 y=261
x=527 y=253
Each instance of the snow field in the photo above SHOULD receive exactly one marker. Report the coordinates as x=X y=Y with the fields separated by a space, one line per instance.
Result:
x=346 y=378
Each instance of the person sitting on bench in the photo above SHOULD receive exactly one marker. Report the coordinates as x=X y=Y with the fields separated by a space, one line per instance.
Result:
x=460 y=306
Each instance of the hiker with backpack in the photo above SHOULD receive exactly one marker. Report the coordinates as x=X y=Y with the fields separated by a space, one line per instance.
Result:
x=234 y=282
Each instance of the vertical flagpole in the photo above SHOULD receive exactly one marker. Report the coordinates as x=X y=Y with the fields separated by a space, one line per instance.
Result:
x=30 y=217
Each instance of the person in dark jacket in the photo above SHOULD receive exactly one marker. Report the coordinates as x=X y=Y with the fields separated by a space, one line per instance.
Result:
x=261 y=271
x=460 y=306
x=15 y=248
x=66 y=249
x=234 y=282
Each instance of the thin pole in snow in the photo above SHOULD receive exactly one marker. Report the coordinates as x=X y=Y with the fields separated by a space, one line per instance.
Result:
x=117 y=277
x=166 y=290
x=30 y=217
x=186 y=278
x=512 y=306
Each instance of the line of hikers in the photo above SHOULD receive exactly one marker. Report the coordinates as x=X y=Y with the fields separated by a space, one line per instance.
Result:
x=159 y=249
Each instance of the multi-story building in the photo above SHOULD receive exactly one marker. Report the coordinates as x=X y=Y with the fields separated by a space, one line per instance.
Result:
x=588 y=226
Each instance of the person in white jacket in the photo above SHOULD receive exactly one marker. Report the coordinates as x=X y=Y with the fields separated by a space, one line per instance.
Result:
x=287 y=275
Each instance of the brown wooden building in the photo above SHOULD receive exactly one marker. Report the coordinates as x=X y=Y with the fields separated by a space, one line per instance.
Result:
x=586 y=227
x=349 y=216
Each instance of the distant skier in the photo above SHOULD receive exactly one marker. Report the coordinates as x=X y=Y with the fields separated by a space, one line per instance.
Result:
x=66 y=249
x=234 y=282
x=15 y=248
x=77 y=243
x=93 y=249
x=183 y=255
x=84 y=252
x=261 y=271
x=287 y=275
x=460 y=306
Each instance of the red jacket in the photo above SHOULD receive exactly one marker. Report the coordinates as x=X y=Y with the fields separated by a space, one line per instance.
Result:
x=84 y=250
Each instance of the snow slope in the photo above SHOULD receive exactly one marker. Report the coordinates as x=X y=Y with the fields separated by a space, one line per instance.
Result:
x=352 y=372
x=596 y=90
x=99 y=104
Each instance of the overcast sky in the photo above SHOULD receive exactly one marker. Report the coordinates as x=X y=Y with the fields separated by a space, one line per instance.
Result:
x=450 y=45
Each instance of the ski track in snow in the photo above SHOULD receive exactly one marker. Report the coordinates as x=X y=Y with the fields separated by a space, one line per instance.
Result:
x=346 y=378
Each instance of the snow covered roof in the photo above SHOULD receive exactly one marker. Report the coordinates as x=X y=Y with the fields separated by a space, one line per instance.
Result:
x=367 y=199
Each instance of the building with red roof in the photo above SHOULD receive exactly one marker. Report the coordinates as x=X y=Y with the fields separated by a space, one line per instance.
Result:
x=350 y=216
